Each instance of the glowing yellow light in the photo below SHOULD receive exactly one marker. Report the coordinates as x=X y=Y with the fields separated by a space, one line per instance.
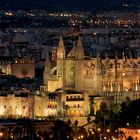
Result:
x=92 y=132
x=123 y=74
x=19 y=112
x=108 y=130
x=90 y=129
x=1 y=134
x=127 y=124
x=1 y=111
x=8 y=13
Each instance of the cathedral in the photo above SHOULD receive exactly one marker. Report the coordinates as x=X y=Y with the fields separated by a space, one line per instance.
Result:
x=98 y=76
x=72 y=83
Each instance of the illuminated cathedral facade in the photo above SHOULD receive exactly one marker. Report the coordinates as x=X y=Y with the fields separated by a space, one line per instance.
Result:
x=118 y=77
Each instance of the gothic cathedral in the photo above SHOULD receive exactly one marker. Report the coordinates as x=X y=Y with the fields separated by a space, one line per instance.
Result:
x=98 y=76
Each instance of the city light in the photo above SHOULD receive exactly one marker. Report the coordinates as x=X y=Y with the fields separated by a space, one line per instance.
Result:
x=1 y=134
x=108 y=130
x=70 y=72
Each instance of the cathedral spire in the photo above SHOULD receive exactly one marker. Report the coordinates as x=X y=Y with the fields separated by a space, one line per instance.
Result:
x=61 y=42
x=79 y=52
x=61 y=49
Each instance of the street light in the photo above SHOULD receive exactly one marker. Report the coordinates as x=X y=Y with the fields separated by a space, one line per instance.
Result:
x=108 y=130
x=82 y=136
x=99 y=129
x=127 y=124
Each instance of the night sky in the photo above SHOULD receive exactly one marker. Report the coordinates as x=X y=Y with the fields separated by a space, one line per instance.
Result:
x=65 y=4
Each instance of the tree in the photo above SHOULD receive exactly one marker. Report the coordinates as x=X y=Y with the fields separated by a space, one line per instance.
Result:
x=102 y=112
x=129 y=112
x=69 y=122
x=101 y=116
x=116 y=108
x=61 y=130
x=128 y=101
x=76 y=123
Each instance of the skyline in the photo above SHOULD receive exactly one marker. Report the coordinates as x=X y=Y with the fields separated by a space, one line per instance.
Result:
x=69 y=70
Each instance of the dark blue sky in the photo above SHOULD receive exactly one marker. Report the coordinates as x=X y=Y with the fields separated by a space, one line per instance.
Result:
x=64 y=4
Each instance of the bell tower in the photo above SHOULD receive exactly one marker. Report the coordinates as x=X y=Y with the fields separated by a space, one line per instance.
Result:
x=61 y=61
x=61 y=49
x=79 y=65
x=79 y=52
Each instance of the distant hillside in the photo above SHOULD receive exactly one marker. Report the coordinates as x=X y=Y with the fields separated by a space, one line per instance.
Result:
x=56 y=5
